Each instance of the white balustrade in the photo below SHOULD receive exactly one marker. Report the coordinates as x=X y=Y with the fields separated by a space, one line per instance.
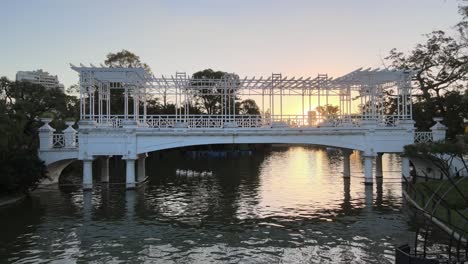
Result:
x=58 y=141
x=423 y=137
x=252 y=121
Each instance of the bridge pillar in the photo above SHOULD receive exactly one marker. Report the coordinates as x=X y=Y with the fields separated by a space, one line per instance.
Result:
x=346 y=163
x=368 y=168
x=405 y=167
x=141 y=167
x=105 y=169
x=378 y=166
x=438 y=130
x=70 y=135
x=46 y=134
x=87 y=174
x=130 y=174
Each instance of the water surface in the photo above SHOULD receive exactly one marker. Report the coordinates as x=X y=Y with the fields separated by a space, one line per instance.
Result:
x=288 y=205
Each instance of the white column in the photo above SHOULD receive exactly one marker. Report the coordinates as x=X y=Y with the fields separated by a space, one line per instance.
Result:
x=405 y=167
x=130 y=176
x=126 y=103
x=46 y=135
x=378 y=165
x=438 y=130
x=368 y=168
x=87 y=174
x=105 y=169
x=346 y=163
x=141 y=168
x=69 y=135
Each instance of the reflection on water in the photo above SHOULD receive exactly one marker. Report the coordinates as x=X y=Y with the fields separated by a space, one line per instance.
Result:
x=289 y=205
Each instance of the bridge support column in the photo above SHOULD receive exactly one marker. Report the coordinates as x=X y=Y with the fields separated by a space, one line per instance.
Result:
x=87 y=174
x=378 y=166
x=105 y=169
x=141 y=167
x=130 y=174
x=405 y=167
x=346 y=163
x=368 y=168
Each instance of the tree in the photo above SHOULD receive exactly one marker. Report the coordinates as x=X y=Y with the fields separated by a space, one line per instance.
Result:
x=128 y=59
x=462 y=26
x=211 y=91
x=25 y=102
x=440 y=64
x=441 y=73
x=329 y=111
x=21 y=103
x=247 y=107
x=125 y=59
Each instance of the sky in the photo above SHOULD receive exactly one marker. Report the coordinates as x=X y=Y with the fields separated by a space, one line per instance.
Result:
x=248 y=37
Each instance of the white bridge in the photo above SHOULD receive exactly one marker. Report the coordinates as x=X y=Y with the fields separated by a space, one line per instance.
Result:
x=365 y=110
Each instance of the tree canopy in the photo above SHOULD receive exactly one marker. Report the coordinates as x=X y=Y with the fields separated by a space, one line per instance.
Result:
x=126 y=59
x=328 y=110
x=247 y=107
x=210 y=96
x=441 y=75
x=440 y=64
x=21 y=104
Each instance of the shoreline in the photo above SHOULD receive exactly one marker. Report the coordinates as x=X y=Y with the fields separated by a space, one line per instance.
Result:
x=434 y=220
x=8 y=200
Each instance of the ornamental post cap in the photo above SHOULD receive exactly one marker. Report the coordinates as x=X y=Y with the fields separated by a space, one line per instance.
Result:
x=438 y=125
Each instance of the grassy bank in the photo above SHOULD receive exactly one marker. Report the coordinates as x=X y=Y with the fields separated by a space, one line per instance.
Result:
x=454 y=211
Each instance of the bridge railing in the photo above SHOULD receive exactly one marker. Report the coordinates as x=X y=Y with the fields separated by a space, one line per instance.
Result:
x=58 y=140
x=423 y=137
x=64 y=140
x=250 y=121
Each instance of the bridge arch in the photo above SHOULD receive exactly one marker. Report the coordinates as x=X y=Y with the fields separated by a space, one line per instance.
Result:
x=149 y=146
x=55 y=169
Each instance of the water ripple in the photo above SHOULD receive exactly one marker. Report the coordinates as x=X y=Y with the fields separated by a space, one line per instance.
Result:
x=284 y=206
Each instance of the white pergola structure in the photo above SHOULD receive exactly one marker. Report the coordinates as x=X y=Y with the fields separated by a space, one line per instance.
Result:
x=360 y=97
x=291 y=112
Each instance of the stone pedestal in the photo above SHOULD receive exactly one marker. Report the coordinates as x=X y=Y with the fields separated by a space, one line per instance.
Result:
x=69 y=135
x=438 y=130
x=46 y=135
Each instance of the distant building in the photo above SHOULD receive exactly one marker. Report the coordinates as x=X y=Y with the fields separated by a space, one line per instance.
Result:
x=40 y=77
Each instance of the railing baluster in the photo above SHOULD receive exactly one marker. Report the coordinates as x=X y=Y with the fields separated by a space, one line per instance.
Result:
x=258 y=121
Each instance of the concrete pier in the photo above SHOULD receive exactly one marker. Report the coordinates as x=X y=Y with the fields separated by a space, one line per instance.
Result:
x=368 y=169
x=130 y=174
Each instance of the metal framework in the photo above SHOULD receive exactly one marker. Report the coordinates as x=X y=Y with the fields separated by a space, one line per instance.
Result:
x=360 y=96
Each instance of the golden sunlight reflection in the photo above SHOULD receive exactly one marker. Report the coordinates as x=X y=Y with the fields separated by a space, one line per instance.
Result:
x=307 y=182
